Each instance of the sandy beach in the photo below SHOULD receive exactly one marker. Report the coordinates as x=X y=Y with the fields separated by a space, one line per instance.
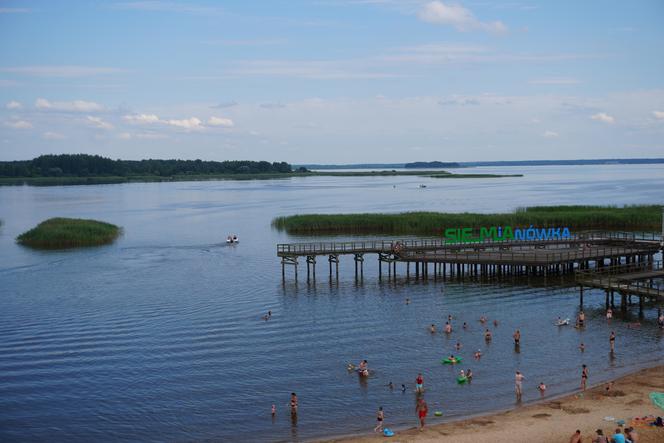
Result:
x=551 y=421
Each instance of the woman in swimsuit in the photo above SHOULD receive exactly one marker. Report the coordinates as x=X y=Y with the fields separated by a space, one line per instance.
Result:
x=584 y=377
x=379 y=419
x=293 y=404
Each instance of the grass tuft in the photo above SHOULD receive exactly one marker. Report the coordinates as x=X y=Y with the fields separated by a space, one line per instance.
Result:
x=64 y=233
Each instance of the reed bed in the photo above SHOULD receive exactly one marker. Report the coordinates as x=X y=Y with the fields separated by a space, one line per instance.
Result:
x=628 y=218
x=64 y=233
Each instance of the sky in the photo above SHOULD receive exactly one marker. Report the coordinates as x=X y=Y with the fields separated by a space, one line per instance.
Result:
x=332 y=81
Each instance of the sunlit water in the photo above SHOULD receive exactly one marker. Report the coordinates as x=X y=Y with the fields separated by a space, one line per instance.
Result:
x=159 y=337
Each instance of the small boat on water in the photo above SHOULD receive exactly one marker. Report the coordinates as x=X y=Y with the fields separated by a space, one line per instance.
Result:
x=562 y=322
x=232 y=239
x=423 y=186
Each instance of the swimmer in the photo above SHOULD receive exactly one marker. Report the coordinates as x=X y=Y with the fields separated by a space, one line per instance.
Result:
x=452 y=358
x=478 y=354
x=403 y=388
x=274 y=410
x=487 y=335
x=609 y=314
x=469 y=375
x=482 y=319
x=495 y=323
x=462 y=374
x=293 y=404
x=407 y=300
x=518 y=379
x=612 y=341
x=390 y=385
x=465 y=325
x=517 y=337
x=582 y=347
x=581 y=319
x=449 y=318
x=432 y=328
x=448 y=328
x=458 y=346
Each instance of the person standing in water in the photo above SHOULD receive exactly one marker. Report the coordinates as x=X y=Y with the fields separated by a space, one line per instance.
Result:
x=380 y=416
x=518 y=380
x=584 y=377
x=517 y=338
x=612 y=341
x=422 y=411
x=541 y=388
x=293 y=403
x=448 y=327
x=419 y=383
x=487 y=335
x=581 y=319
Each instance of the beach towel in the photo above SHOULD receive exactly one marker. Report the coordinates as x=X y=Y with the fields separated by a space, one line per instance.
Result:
x=658 y=399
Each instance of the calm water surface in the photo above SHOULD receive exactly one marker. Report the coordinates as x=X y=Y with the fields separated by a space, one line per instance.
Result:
x=159 y=338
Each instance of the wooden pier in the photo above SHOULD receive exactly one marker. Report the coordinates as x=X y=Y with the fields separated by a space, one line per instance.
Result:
x=639 y=279
x=589 y=250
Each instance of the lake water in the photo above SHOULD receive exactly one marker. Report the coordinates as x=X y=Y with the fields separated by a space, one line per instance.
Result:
x=158 y=337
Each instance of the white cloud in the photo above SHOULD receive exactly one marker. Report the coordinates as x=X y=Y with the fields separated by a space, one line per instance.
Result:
x=53 y=136
x=19 y=124
x=462 y=19
x=13 y=105
x=124 y=136
x=659 y=115
x=151 y=136
x=189 y=124
x=73 y=106
x=60 y=71
x=603 y=117
x=142 y=118
x=220 y=121
x=98 y=123
x=550 y=134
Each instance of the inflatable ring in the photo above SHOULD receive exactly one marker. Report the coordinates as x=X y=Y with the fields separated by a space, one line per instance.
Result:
x=438 y=413
x=447 y=361
x=462 y=380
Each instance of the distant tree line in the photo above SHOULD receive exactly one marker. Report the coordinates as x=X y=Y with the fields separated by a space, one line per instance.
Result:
x=435 y=164
x=83 y=165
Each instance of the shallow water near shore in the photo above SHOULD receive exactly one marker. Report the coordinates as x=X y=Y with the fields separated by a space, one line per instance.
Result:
x=159 y=336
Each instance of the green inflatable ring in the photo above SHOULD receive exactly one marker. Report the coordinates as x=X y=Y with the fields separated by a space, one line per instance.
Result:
x=447 y=361
x=438 y=413
x=462 y=380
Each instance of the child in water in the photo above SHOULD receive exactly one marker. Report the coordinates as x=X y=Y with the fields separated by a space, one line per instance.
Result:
x=478 y=354
x=541 y=388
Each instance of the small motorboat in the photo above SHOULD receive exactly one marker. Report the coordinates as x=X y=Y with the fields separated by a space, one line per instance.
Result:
x=232 y=239
x=423 y=186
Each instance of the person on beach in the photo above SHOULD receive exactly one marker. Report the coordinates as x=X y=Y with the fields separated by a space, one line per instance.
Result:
x=608 y=387
x=517 y=337
x=618 y=437
x=487 y=335
x=601 y=438
x=632 y=435
x=612 y=341
x=541 y=388
x=478 y=354
x=432 y=328
x=448 y=327
x=518 y=380
x=419 y=383
x=582 y=347
x=584 y=377
x=293 y=403
x=422 y=411
x=576 y=437
x=380 y=416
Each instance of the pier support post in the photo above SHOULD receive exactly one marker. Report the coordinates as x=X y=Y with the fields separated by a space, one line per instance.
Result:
x=581 y=296
x=311 y=262
x=359 y=259
x=334 y=258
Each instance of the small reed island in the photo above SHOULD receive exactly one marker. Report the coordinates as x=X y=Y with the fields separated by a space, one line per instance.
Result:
x=66 y=233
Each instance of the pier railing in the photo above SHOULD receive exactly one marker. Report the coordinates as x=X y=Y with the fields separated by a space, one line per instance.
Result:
x=632 y=278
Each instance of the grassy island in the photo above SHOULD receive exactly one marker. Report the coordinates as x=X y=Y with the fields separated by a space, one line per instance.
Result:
x=629 y=218
x=63 y=233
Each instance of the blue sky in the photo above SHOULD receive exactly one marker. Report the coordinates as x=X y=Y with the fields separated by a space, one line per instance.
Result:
x=332 y=81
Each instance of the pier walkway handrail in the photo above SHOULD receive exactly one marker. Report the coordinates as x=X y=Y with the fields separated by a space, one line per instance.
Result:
x=629 y=278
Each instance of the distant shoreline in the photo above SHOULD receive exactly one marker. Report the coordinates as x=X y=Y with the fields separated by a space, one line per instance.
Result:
x=579 y=162
x=106 y=180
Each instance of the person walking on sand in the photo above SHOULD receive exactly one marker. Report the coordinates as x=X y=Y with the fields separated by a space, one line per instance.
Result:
x=612 y=341
x=584 y=377
x=419 y=383
x=422 y=411
x=517 y=338
x=632 y=435
x=576 y=437
x=380 y=416
x=601 y=438
x=293 y=403
x=518 y=387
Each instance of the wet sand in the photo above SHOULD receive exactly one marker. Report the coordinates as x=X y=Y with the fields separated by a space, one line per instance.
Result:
x=550 y=421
